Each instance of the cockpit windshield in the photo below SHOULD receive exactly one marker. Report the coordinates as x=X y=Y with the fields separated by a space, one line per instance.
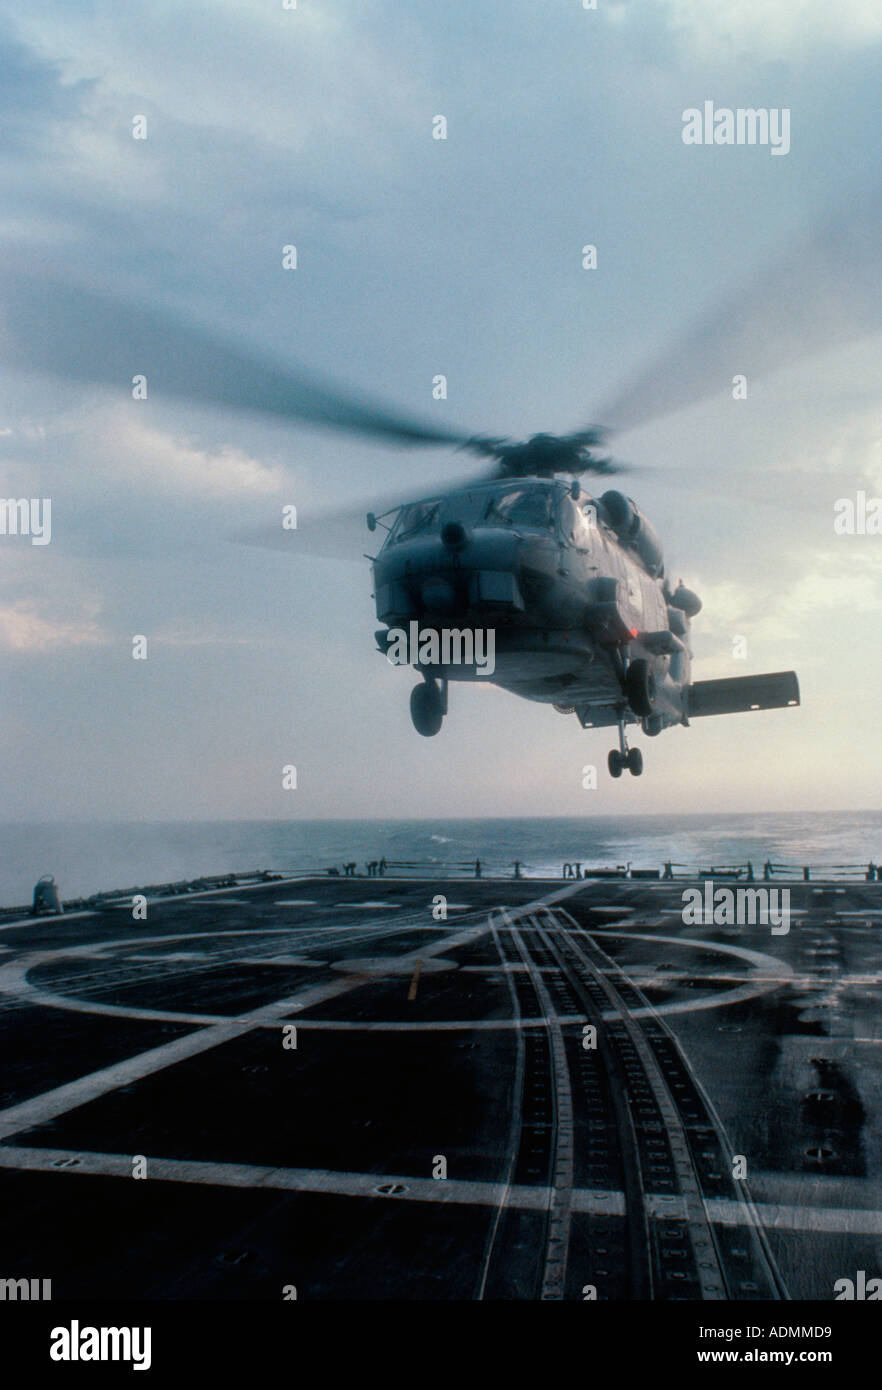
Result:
x=529 y=507
x=418 y=519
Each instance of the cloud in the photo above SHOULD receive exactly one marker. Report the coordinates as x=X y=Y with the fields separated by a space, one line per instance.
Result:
x=111 y=448
x=846 y=581
x=268 y=126
x=273 y=73
x=826 y=600
x=790 y=30
x=29 y=626
x=159 y=460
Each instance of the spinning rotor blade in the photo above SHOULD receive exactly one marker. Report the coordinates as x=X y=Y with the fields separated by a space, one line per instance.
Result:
x=86 y=334
x=341 y=533
x=826 y=292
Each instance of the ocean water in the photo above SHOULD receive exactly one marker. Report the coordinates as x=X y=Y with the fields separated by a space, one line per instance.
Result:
x=88 y=858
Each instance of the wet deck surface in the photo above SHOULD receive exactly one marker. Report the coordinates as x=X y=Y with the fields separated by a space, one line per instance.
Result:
x=441 y=1130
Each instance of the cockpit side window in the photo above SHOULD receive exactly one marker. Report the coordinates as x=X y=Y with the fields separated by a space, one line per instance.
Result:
x=523 y=506
x=419 y=519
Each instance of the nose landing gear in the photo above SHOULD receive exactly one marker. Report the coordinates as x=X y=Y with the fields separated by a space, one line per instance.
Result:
x=624 y=757
x=428 y=706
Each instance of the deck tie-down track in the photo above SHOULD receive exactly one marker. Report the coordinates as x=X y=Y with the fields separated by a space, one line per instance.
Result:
x=630 y=1114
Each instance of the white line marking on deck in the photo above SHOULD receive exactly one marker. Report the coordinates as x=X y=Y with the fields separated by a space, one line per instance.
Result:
x=585 y=1201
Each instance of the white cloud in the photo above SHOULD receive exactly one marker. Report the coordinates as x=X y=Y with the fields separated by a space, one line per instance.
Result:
x=285 y=77
x=847 y=580
x=718 y=30
x=158 y=459
x=117 y=447
x=29 y=626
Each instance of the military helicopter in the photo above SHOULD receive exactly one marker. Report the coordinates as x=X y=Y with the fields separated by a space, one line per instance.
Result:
x=572 y=586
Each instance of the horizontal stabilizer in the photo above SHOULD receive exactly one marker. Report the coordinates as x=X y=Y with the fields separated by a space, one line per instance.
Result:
x=735 y=694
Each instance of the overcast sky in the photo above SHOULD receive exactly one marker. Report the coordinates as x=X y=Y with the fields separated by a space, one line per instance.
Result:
x=268 y=127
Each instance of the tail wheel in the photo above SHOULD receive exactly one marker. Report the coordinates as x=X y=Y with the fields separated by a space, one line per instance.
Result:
x=426 y=708
x=640 y=687
x=615 y=762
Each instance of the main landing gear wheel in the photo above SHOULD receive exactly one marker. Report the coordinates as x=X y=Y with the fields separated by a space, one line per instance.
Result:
x=427 y=708
x=624 y=757
x=640 y=687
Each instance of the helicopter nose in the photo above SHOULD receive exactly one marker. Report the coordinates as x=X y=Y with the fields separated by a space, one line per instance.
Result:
x=454 y=535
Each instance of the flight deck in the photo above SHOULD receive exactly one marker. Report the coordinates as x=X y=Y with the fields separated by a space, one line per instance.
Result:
x=389 y=1088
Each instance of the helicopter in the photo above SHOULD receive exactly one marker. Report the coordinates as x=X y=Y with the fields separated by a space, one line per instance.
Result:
x=583 y=615
x=572 y=586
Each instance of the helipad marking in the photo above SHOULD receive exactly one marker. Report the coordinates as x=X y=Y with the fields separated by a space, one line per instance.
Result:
x=700 y=918
x=41 y=921
x=13 y=977
x=60 y=1099
x=854 y=1221
x=381 y=966
x=163 y=898
x=589 y=1201
x=161 y=957
x=777 y=973
x=447 y=1025
x=224 y=902
x=325 y=1181
x=309 y=962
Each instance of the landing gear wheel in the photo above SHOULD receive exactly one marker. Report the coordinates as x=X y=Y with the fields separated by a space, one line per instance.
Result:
x=615 y=762
x=640 y=687
x=426 y=708
x=635 y=762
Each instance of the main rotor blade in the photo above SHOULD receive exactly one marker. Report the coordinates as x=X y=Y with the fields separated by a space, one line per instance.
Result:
x=341 y=533
x=85 y=334
x=826 y=292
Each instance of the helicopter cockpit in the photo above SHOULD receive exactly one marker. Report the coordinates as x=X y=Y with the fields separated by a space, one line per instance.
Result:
x=417 y=519
x=527 y=506
x=523 y=506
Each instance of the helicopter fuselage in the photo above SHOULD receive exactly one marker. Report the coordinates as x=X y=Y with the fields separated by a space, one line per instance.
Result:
x=544 y=566
x=572 y=591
